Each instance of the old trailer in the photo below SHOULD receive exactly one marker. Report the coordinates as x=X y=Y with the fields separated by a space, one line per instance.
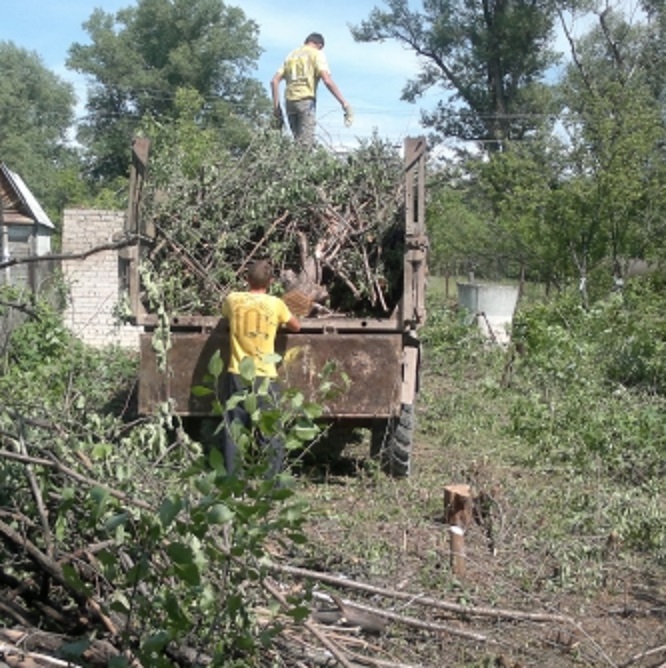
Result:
x=380 y=356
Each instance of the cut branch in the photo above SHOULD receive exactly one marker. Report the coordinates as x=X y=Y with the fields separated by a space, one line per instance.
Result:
x=417 y=599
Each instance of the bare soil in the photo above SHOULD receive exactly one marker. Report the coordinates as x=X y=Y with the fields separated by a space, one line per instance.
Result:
x=584 y=601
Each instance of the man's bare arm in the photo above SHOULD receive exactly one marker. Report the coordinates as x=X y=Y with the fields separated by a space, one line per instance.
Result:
x=335 y=91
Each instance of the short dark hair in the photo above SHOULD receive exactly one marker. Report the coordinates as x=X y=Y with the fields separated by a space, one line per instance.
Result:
x=315 y=38
x=260 y=274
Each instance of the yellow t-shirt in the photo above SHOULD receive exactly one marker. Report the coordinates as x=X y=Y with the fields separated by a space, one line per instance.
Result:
x=254 y=319
x=302 y=70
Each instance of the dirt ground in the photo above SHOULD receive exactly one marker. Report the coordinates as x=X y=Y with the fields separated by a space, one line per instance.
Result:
x=522 y=603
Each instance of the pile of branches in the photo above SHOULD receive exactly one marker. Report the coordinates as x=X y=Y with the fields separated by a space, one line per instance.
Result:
x=75 y=591
x=332 y=225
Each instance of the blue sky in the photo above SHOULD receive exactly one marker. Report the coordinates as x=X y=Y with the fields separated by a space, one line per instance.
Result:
x=371 y=76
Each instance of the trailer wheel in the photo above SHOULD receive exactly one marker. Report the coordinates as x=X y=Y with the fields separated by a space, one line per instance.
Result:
x=392 y=442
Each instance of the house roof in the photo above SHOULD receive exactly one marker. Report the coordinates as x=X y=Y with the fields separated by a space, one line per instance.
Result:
x=20 y=205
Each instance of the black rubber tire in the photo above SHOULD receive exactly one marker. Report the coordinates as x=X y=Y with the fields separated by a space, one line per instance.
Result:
x=392 y=442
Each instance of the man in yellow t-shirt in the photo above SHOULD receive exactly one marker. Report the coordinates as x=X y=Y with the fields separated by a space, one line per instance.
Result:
x=302 y=70
x=254 y=318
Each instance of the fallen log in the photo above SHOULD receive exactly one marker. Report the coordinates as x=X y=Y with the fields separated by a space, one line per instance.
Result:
x=418 y=599
x=49 y=648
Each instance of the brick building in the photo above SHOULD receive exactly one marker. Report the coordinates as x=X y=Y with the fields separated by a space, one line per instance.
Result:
x=94 y=282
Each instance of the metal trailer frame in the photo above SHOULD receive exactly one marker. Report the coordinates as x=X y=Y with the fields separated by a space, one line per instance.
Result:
x=380 y=356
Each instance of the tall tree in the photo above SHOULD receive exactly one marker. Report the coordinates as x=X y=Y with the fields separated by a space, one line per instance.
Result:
x=615 y=151
x=142 y=55
x=36 y=114
x=488 y=57
x=654 y=48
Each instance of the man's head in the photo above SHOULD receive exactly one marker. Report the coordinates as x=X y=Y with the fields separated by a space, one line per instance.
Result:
x=315 y=38
x=260 y=275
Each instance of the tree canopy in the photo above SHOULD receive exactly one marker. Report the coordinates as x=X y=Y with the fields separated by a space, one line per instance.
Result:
x=36 y=114
x=572 y=202
x=487 y=57
x=138 y=59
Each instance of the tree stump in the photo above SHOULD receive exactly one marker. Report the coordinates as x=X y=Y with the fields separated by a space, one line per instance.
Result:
x=458 y=515
x=458 y=505
x=457 y=547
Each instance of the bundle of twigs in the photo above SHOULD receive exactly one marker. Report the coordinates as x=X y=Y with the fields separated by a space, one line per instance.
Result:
x=331 y=223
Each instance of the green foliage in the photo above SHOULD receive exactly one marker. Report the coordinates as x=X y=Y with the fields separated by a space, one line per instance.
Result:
x=216 y=209
x=490 y=60
x=287 y=417
x=46 y=366
x=593 y=384
x=199 y=563
x=636 y=343
x=36 y=112
x=457 y=248
x=183 y=545
x=578 y=397
x=571 y=205
x=143 y=54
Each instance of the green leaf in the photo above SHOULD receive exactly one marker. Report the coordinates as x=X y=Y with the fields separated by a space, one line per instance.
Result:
x=74 y=650
x=102 y=450
x=271 y=358
x=247 y=369
x=201 y=391
x=219 y=514
x=180 y=553
x=299 y=613
x=216 y=460
x=234 y=400
x=61 y=526
x=115 y=521
x=269 y=422
x=184 y=564
x=251 y=403
x=312 y=410
x=216 y=364
x=305 y=433
x=297 y=400
x=100 y=498
x=73 y=580
x=156 y=643
x=121 y=606
x=175 y=611
x=169 y=510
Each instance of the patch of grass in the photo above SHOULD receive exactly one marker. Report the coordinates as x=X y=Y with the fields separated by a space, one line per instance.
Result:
x=573 y=516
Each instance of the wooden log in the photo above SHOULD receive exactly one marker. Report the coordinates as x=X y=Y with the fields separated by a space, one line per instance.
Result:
x=457 y=547
x=299 y=303
x=458 y=515
x=458 y=505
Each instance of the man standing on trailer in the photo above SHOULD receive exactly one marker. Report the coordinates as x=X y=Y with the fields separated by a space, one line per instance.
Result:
x=302 y=70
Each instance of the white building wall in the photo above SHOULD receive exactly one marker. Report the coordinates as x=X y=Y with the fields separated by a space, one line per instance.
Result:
x=94 y=281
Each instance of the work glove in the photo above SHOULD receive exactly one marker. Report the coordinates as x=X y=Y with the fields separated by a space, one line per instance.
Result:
x=349 y=115
x=278 y=119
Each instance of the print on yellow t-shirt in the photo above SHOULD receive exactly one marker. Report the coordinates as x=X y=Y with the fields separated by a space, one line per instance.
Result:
x=254 y=320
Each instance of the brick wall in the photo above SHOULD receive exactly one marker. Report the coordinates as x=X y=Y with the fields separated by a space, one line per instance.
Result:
x=94 y=281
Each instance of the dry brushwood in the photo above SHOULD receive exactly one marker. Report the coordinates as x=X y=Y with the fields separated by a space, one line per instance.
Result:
x=331 y=226
x=37 y=590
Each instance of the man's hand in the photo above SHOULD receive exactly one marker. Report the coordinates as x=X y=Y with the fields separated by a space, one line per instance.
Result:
x=278 y=118
x=349 y=115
